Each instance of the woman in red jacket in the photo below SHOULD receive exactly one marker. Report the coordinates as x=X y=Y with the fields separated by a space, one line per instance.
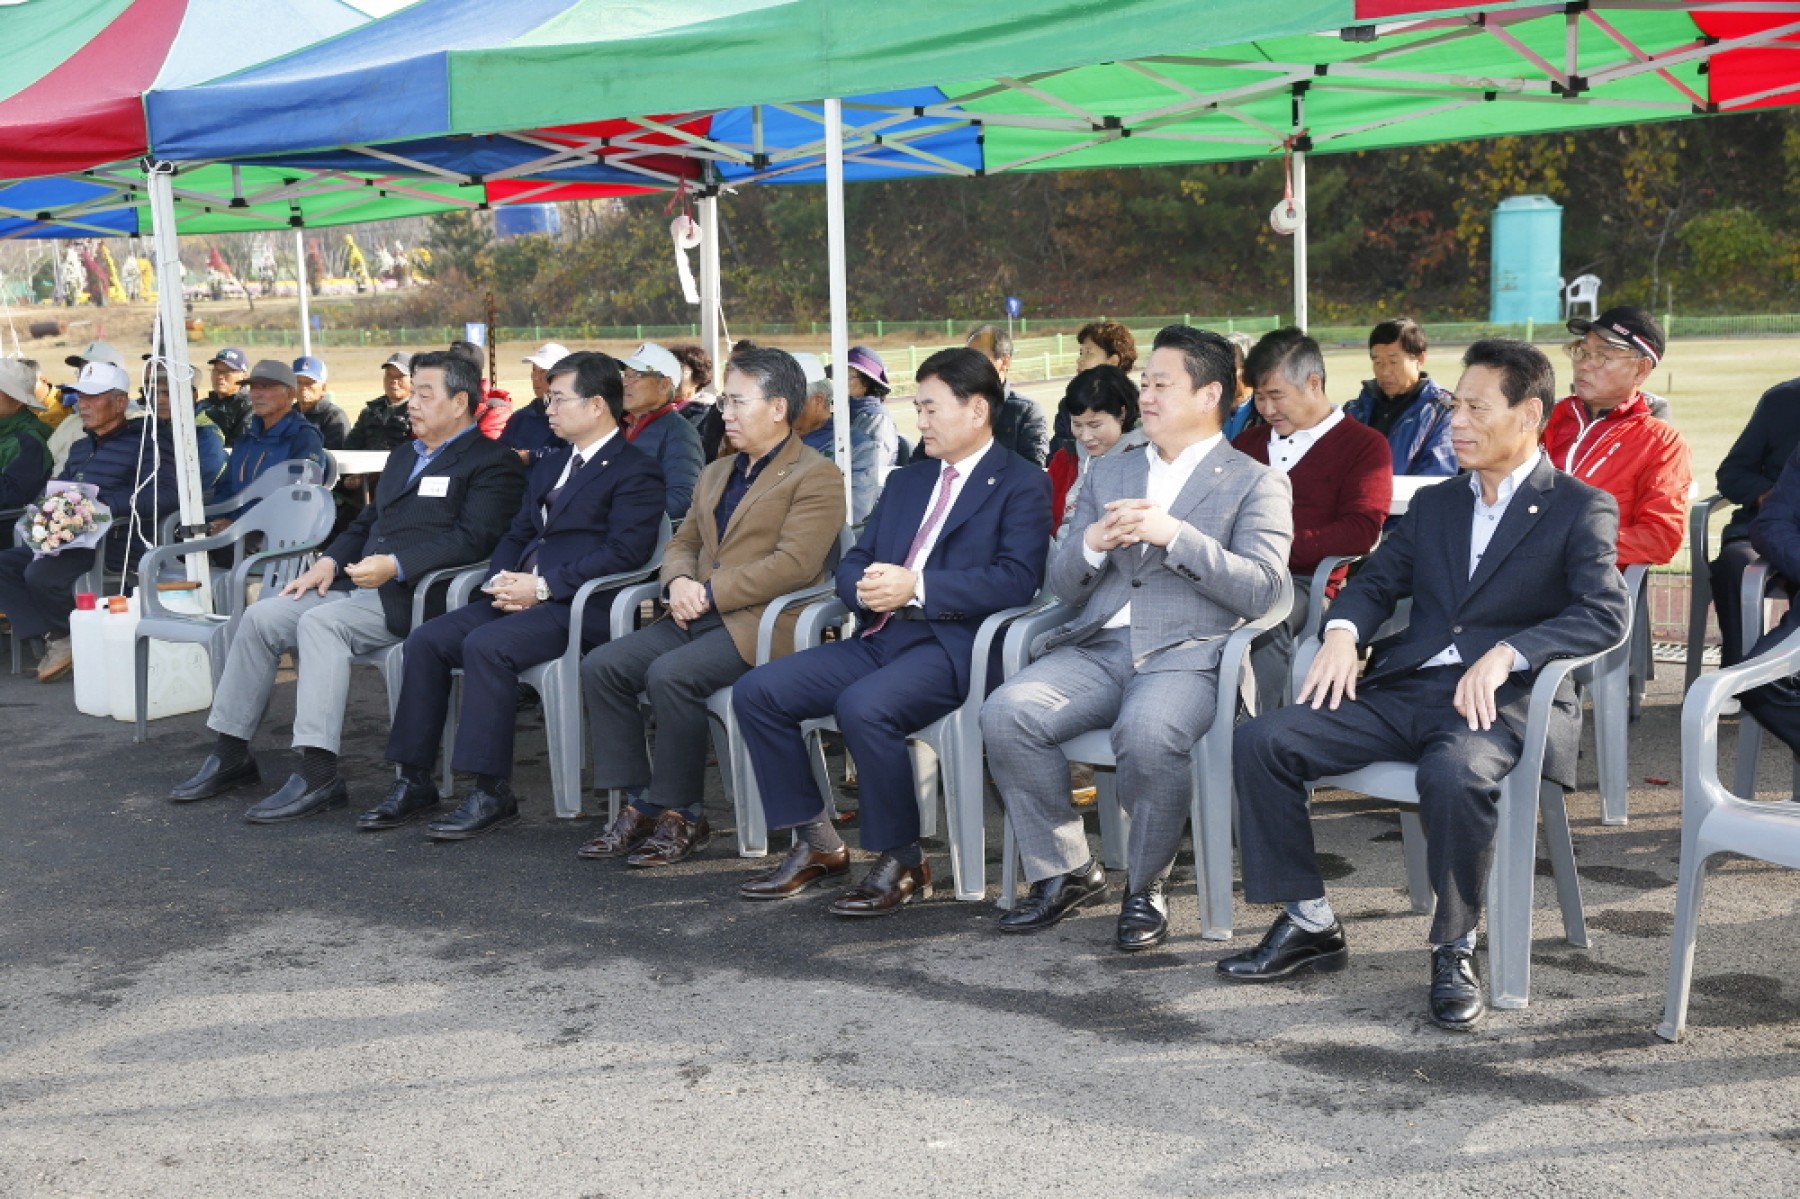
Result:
x=1101 y=407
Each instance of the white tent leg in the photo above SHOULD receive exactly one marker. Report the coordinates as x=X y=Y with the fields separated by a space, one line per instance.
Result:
x=300 y=280
x=709 y=285
x=171 y=296
x=1300 y=240
x=840 y=286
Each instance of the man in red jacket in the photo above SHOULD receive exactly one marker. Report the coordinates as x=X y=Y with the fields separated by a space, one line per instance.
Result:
x=1342 y=473
x=1605 y=436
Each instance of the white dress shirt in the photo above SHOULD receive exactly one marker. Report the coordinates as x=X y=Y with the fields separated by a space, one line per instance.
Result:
x=1285 y=452
x=586 y=457
x=964 y=468
x=1481 y=532
x=1164 y=485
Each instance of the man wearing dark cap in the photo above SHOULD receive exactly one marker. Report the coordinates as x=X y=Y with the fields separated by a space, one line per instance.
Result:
x=383 y=424
x=1605 y=435
x=228 y=403
x=276 y=432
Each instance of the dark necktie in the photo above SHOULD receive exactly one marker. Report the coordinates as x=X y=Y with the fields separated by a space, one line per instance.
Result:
x=529 y=561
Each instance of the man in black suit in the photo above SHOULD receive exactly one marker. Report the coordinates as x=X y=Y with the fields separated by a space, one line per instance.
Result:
x=592 y=508
x=1508 y=567
x=443 y=501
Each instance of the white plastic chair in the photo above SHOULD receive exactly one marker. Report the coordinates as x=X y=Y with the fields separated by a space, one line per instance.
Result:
x=1714 y=820
x=1584 y=290
x=557 y=682
x=946 y=754
x=1524 y=793
x=1613 y=683
x=1212 y=806
x=292 y=522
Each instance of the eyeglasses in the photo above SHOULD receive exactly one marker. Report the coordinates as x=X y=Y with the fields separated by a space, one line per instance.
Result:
x=736 y=403
x=556 y=401
x=1579 y=354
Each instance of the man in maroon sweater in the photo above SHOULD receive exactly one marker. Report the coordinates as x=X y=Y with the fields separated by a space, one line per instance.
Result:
x=1342 y=474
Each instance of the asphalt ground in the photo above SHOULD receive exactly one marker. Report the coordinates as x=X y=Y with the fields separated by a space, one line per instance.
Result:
x=190 y=1005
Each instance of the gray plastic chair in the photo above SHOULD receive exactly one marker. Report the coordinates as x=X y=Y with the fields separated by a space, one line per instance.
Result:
x=1212 y=807
x=292 y=522
x=1716 y=821
x=1523 y=794
x=390 y=660
x=294 y=472
x=1609 y=685
x=946 y=754
x=735 y=772
x=557 y=682
x=8 y=517
x=1759 y=580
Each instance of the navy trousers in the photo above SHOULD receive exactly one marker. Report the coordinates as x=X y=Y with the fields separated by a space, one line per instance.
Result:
x=492 y=648
x=882 y=689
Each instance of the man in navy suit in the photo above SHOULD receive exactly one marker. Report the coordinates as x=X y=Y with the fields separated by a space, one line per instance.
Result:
x=953 y=538
x=1508 y=567
x=592 y=508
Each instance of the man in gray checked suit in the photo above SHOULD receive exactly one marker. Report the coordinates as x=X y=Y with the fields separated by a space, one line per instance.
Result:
x=1180 y=544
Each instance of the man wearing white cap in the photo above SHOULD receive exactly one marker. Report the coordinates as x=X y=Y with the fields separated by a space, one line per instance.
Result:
x=651 y=374
x=528 y=430
x=114 y=455
x=24 y=448
x=814 y=425
x=96 y=351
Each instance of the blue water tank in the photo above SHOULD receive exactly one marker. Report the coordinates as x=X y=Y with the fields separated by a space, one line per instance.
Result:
x=1526 y=265
x=523 y=220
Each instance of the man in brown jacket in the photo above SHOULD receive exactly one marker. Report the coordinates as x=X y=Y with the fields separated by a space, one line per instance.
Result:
x=760 y=525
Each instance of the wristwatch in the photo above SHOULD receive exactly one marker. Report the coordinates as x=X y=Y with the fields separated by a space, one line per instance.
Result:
x=543 y=590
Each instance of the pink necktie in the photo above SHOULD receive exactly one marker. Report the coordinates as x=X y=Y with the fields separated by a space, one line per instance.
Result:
x=932 y=519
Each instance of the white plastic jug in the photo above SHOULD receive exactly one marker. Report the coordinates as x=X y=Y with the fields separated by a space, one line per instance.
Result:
x=180 y=675
x=88 y=644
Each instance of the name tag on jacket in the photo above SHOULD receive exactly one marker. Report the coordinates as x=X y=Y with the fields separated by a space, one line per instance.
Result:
x=434 y=486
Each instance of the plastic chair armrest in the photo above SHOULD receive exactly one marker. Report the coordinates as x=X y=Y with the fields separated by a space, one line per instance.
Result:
x=777 y=607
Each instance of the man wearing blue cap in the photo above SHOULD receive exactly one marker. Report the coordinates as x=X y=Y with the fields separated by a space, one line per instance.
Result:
x=316 y=405
x=228 y=403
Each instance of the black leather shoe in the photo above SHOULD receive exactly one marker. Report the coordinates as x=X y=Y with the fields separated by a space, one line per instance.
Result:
x=213 y=780
x=1287 y=949
x=1456 y=999
x=404 y=803
x=1053 y=898
x=294 y=801
x=480 y=811
x=1144 y=919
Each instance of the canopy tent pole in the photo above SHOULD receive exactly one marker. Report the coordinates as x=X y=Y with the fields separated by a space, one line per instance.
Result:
x=171 y=297
x=1300 y=240
x=1300 y=143
x=840 y=288
x=709 y=286
x=300 y=281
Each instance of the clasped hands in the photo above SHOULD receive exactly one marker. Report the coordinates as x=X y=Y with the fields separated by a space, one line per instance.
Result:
x=1129 y=522
x=1332 y=679
x=687 y=601
x=885 y=587
x=512 y=591
x=370 y=572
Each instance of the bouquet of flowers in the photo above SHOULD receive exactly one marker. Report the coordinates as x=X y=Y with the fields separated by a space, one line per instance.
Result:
x=70 y=516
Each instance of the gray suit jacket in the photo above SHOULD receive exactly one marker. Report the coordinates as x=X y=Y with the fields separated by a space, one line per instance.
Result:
x=1224 y=567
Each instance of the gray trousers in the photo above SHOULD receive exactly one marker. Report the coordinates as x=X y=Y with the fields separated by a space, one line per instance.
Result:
x=1272 y=655
x=680 y=669
x=1155 y=719
x=324 y=631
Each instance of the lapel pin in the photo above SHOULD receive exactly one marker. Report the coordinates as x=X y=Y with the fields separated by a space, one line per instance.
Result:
x=1218 y=470
x=990 y=480
x=1532 y=510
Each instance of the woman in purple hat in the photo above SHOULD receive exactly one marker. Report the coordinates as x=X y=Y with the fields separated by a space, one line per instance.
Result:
x=868 y=387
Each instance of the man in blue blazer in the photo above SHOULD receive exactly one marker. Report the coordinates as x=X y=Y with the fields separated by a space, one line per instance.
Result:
x=592 y=508
x=954 y=537
x=1508 y=567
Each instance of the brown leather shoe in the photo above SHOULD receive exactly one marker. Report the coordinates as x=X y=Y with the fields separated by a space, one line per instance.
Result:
x=630 y=830
x=676 y=838
x=802 y=867
x=887 y=888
